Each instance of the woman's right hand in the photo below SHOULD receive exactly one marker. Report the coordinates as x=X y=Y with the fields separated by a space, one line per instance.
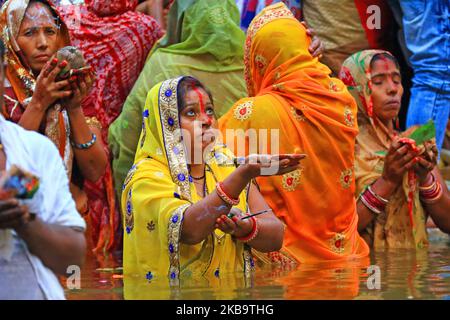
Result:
x=48 y=89
x=399 y=159
x=271 y=165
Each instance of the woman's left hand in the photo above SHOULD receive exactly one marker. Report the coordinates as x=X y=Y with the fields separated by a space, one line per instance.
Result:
x=80 y=85
x=234 y=225
x=316 y=48
x=426 y=162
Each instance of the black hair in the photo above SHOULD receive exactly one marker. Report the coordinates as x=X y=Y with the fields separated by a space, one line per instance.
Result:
x=382 y=56
x=187 y=84
x=2 y=51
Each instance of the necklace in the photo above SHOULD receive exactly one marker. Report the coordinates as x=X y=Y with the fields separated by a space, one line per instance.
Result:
x=198 y=178
x=219 y=238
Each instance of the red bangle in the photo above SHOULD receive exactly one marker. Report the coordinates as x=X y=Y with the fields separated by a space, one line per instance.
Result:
x=224 y=196
x=372 y=202
x=252 y=235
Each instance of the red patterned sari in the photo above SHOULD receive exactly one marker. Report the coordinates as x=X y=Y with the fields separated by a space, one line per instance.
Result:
x=115 y=41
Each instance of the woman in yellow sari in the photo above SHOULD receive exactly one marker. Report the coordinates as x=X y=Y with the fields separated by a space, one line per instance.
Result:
x=397 y=186
x=314 y=114
x=179 y=197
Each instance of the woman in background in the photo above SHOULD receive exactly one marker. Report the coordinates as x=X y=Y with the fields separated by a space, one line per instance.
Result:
x=397 y=187
x=38 y=100
x=291 y=91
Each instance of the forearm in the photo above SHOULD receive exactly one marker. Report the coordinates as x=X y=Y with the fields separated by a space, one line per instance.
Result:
x=58 y=247
x=92 y=161
x=381 y=187
x=270 y=235
x=32 y=117
x=270 y=228
x=200 y=218
x=440 y=210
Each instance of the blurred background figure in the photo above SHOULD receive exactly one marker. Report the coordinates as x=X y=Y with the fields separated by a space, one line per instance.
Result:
x=250 y=8
x=158 y=9
x=426 y=32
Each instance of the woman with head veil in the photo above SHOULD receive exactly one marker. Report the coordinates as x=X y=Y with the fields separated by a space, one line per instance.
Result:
x=291 y=93
x=397 y=183
x=183 y=216
x=39 y=100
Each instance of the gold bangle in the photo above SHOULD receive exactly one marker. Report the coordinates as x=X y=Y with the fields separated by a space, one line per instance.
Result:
x=93 y=122
x=437 y=197
x=431 y=186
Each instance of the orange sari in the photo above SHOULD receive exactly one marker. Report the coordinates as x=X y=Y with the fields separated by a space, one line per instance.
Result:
x=291 y=91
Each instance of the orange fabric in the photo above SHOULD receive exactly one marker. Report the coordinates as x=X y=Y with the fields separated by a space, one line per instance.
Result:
x=315 y=114
x=62 y=135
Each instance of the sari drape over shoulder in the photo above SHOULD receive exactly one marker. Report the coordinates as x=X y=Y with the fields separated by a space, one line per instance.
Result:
x=392 y=228
x=290 y=91
x=204 y=41
x=157 y=192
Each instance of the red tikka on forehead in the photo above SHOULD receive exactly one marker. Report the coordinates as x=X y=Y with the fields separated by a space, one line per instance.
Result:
x=202 y=104
x=385 y=60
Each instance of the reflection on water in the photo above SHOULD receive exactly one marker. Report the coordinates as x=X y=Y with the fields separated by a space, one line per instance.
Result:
x=404 y=274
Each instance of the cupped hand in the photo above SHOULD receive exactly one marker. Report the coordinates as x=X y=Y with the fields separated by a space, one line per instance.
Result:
x=272 y=165
x=426 y=162
x=80 y=84
x=12 y=214
x=48 y=89
x=316 y=48
x=400 y=158
x=232 y=223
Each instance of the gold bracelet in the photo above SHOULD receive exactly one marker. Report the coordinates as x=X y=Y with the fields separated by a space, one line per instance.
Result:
x=93 y=122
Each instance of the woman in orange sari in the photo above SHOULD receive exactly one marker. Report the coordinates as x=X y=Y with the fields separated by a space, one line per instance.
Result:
x=292 y=92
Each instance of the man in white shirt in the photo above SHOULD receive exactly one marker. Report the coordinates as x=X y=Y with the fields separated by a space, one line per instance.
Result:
x=36 y=247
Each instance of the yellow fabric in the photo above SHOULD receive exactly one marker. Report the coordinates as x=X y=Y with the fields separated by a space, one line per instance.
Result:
x=157 y=192
x=203 y=41
x=392 y=228
x=314 y=114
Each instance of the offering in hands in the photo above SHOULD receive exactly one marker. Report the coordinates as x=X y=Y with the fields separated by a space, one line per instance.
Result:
x=76 y=63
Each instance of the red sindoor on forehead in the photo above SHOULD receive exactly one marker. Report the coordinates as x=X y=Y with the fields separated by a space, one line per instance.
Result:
x=385 y=60
x=200 y=98
x=202 y=104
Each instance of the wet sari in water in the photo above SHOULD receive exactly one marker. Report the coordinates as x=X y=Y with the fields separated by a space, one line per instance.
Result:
x=290 y=91
x=157 y=192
